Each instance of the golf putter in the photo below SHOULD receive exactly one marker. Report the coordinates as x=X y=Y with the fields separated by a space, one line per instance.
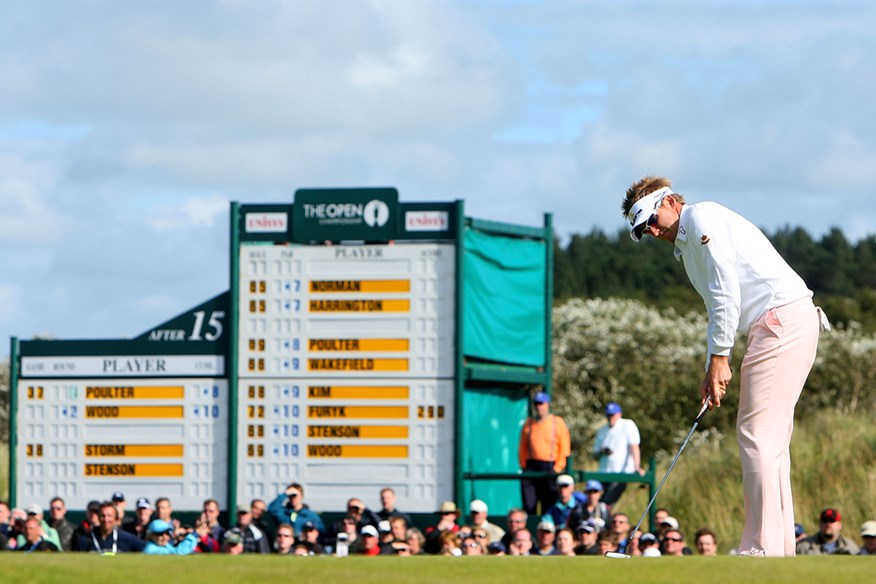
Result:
x=703 y=410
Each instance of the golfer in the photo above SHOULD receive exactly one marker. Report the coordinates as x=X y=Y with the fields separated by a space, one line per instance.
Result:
x=748 y=287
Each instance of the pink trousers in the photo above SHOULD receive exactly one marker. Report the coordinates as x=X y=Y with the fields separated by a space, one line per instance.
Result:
x=780 y=353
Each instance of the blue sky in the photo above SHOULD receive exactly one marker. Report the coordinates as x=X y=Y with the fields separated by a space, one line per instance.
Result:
x=127 y=127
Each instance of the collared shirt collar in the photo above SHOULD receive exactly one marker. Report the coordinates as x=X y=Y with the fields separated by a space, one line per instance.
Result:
x=681 y=237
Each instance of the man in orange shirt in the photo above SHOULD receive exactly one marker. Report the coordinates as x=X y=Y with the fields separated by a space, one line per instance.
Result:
x=544 y=447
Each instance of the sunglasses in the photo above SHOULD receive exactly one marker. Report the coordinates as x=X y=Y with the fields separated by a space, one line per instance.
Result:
x=675 y=539
x=483 y=535
x=640 y=229
x=472 y=545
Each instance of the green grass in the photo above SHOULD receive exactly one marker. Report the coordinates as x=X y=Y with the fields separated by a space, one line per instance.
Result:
x=33 y=568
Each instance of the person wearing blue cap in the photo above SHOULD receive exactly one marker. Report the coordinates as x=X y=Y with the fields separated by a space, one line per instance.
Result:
x=617 y=449
x=592 y=507
x=160 y=540
x=545 y=444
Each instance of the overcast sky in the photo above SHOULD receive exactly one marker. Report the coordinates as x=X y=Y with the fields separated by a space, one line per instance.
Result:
x=127 y=127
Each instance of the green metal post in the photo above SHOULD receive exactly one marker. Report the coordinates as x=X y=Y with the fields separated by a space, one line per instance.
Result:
x=233 y=301
x=458 y=421
x=548 y=301
x=13 y=417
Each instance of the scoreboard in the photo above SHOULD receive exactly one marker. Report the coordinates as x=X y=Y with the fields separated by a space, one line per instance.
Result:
x=346 y=361
x=355 y=333
x=85 y=438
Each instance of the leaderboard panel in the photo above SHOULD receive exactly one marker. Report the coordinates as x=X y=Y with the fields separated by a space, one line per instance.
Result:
x=347 y=438
x=371 y=311
x=85 y=439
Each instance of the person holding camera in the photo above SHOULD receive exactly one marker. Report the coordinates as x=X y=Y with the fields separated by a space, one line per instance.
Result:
x=164 y=540
x=289 y=507
x=617 y=449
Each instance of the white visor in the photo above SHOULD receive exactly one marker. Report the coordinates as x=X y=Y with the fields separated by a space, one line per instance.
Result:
x=643 y=210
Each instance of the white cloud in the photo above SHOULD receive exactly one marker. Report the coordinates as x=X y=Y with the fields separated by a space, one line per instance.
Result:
x=125 y=128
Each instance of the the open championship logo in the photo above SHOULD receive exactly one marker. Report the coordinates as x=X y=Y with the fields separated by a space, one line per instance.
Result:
x=375 y=213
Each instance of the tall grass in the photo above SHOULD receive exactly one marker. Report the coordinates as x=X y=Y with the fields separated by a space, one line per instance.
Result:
x=4 y=471
x=833 y=464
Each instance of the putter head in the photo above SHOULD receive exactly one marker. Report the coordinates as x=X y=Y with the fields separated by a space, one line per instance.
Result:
x=617 y=556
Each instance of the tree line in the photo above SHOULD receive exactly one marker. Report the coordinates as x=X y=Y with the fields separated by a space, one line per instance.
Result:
x=596 y=265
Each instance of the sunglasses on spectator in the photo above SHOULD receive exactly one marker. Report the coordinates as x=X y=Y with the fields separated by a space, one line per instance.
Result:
x=472 y=545
x=480 y=535
x=675 y=539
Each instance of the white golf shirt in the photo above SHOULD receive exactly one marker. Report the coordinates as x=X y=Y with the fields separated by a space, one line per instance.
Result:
x=736 y=270
x=618 y=439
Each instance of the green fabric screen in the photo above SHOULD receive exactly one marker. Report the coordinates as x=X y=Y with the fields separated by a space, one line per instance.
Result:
x=493 y=419
x=504 y=291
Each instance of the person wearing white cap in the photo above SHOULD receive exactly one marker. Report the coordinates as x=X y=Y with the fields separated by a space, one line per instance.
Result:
x=868 y=535
x=50 y=534
x=559 y=512
x=479 y=520
x=545 y=537
x=649 y=546
x=143 y=514
x=747 y=287
x=368 y=542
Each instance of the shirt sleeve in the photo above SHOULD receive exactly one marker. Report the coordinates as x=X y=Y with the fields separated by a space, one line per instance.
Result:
x=564 y=447
x=715 y=258
x=523 y=449
x=633 y=437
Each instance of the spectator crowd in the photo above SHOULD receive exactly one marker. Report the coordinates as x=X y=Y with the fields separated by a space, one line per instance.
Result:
x=578 y=523
x=571 y=523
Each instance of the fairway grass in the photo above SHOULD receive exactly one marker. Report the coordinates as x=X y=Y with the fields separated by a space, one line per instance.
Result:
x=214 y=569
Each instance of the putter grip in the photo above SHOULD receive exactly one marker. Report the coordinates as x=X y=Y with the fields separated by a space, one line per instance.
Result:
x=703 y=411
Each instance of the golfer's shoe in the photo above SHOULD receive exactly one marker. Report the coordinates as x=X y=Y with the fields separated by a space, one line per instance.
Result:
x=753 y=553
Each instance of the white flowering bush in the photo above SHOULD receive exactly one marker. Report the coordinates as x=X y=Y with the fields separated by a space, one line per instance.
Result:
x=652 y=362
